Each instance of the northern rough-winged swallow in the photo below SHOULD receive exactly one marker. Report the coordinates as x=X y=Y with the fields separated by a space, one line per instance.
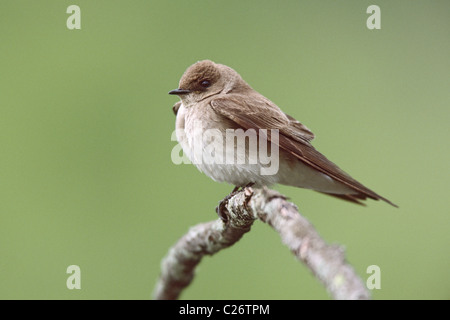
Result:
x=214 y=97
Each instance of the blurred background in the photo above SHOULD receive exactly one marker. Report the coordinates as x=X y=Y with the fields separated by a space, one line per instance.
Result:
x=86 y=176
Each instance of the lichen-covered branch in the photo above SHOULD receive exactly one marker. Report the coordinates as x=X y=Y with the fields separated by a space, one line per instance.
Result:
x=327 y=262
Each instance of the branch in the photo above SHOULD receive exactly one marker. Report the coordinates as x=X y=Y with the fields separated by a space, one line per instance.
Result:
x=327 y=262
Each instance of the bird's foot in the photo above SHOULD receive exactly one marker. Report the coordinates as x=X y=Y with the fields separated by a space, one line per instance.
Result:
x=221 y=209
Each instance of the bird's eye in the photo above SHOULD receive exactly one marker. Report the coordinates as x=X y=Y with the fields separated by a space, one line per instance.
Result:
x=205 y=83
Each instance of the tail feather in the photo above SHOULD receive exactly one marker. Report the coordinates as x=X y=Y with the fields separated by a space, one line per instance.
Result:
x=356 y=198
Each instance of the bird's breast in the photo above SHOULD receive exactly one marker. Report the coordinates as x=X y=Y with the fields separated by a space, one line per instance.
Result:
x=219 y=148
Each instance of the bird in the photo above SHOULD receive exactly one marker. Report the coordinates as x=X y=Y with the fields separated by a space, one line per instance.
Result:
x=215 y=98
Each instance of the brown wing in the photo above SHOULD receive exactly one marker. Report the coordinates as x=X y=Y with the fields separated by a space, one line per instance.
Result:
x=300 y=129
x=261 y=113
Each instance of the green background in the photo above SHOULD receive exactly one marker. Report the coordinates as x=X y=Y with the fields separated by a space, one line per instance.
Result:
x=86 y=176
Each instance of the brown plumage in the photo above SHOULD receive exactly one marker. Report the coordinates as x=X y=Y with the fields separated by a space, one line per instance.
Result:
x=218 y=93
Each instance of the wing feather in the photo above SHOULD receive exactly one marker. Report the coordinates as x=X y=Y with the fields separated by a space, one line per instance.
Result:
x=294 y=137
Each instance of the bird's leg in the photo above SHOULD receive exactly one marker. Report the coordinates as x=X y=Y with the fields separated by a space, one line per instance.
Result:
x=248 y=185
x=234 y=191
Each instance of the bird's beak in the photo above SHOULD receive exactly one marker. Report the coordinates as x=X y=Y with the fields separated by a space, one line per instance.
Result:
x=179 y=91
